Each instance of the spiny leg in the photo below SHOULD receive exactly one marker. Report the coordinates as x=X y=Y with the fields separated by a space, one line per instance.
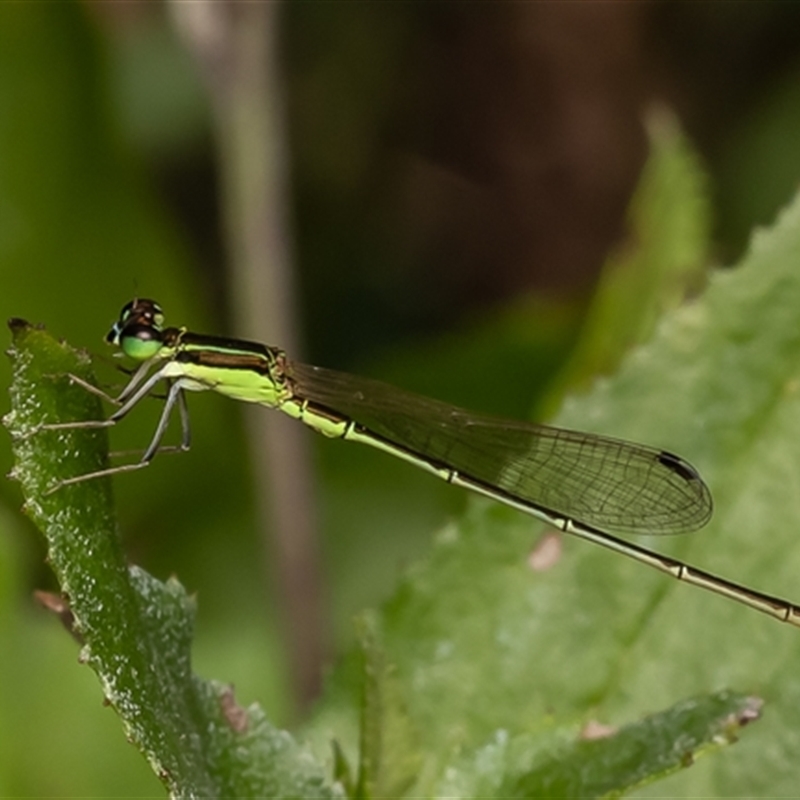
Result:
x=121 y=412
x=136 y=378
x=174 y=396
x=92 y=389
x=186 y=434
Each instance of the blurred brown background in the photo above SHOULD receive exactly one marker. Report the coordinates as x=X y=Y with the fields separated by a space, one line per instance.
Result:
x=446 y=156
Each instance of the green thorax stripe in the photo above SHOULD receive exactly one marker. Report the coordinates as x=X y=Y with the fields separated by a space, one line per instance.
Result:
x=219 y=352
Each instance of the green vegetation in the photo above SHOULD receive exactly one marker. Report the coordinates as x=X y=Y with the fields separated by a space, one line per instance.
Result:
x=477 y=676
x=474 y=674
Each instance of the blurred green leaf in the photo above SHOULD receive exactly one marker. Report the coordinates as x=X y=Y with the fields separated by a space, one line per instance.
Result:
x=602 y=762
x=758 y=163
x=662 y=259
x=136 y=630
x=389 y=759
x=482 y=642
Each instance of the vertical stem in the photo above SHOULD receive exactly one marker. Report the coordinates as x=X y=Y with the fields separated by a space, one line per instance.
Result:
x=237 y=44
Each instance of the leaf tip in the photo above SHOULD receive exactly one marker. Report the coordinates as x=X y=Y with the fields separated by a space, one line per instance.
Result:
x=17 y=325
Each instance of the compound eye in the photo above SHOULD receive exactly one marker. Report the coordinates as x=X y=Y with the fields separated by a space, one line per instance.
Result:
x=140 y=342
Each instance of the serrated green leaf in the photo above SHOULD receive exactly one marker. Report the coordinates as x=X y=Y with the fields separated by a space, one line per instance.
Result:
x=484 y=642
x=599 y=761
x=136 y=630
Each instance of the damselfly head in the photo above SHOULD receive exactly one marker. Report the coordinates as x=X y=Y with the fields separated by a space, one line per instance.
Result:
x=138 y=312
x=138 y=329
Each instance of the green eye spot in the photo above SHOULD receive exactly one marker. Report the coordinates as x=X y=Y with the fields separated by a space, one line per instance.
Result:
x=139 y=349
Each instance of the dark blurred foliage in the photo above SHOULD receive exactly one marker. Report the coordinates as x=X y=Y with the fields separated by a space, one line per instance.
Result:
x=501 y=155
x=447 y=156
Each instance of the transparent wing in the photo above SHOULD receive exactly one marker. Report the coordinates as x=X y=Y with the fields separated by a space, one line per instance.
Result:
x=603 y=482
